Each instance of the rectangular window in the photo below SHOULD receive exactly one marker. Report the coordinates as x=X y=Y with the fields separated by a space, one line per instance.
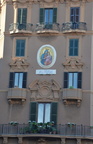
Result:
x=48 y=15
x=72 y=79
x=18 y=79
x=43 y=112
x=74 y=14
x=73 y=47
x=74 y=17
x=22 y=18
x=22 y=15
x=20 y=48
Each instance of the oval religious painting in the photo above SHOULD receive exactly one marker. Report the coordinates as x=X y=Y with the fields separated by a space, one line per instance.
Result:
x=46 y=56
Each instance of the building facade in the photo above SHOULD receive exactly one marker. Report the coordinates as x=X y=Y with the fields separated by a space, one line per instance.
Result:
x=46 y=71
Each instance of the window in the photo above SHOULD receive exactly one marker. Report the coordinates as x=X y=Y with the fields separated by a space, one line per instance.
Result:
x=20 y=48
x=18 y=79
x=43 y=112
x=72 y=79
x=48 y=15
x=22 y=18
x=73 y=47
x=74 y=16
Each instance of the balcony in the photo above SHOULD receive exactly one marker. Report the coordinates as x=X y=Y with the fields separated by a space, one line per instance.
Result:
x=66 y=131
x=47 y=28
x=17 y=29
x=72 y=27
x=16 y=95
x=72 y=96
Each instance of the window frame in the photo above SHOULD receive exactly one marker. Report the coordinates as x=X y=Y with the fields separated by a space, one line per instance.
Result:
x=21 y=51
x=78 y=80
x=74 y=48
x=14 y=47
x=42 y=15
x=34 y=111
x=79 y=46
x=82 y=10
x=12 y=80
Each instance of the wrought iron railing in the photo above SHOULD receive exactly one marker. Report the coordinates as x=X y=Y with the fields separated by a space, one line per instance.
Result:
x=73 y=26
x=17 y=26
x=64 y=130
x=47 y=26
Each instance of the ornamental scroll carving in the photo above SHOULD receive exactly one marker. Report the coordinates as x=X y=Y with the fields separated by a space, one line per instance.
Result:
x=73 y=64
x=41 y=141
x=19 y=65
x=45 y=91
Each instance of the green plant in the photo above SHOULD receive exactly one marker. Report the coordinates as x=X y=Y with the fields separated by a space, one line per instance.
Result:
x=14 y=123
x=71 y=87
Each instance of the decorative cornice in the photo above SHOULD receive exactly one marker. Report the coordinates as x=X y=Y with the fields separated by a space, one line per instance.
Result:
x=44 y=90
x=73 y=64
x=19 y=64
x=44 y=1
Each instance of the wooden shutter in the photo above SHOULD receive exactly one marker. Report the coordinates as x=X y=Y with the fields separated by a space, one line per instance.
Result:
x=79 y=79
x=73 y=47
x=20 y=47
x=76 y=41
x=65 y=79
x=33 y=111
x=54 y=15
x=41 y=18
x=17 y=47
x=24 y=16
x=24 y=79
x=54 y=112
x=77 y=13
x=11 y=80
x=19 y=15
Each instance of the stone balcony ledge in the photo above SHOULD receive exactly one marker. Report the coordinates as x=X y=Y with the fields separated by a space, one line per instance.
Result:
x=72 y=96
x=16 y=95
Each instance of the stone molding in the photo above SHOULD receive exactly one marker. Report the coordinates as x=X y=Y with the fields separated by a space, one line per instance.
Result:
x=45 y=90
x=78 y=141
x=20 y=140
x=5 y=140
x=19 y=64
x=63 y=141
x=73 y=64
x=43 y=1
x=41 y=141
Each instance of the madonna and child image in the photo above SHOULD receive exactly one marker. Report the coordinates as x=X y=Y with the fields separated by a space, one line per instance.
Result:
x=46 y=56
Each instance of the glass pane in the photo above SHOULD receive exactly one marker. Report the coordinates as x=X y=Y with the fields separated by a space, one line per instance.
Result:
x=70 y=51
x=71 y=42
x=75 y=51
x=20 y=80
x=40 y=112
x=16 y=80
x=70 y=80
x=46 y=16
x=77 y=11
x=75 y=80
x=47 y=113
x=51 y=16
x=76 y=43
